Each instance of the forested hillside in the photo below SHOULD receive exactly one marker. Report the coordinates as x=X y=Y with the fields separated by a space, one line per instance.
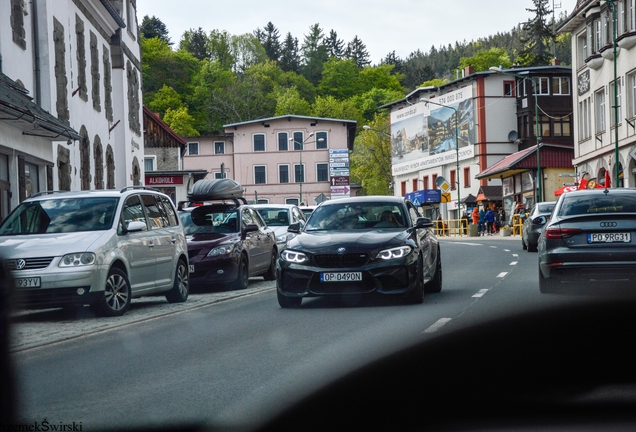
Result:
x=210 y=78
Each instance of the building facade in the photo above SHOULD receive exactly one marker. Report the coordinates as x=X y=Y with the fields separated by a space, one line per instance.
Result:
x=288 y=159
x=456 y=131
x=604 y=69
x=80 y=62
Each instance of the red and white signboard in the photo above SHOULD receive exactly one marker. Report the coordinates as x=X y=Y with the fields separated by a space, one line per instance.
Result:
x=159 y=180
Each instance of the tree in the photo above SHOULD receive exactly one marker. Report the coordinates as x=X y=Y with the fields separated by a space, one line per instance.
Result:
x=339 y=79
x=379 y=77
x=166 y=98
x=416 y=70
x=220 y=48
x=247 y=51
x=289 y=58
x=180 y=122
x=196 y=43
x=369 y=103
x=314 y=54
x=537 y=37
x=330 y=107
x=335 y=46
x=269 y=38
x=154 y=27
x=357 y=51
x=484 y=59
x=392 y=59
x=371 y=158
x=289 y=101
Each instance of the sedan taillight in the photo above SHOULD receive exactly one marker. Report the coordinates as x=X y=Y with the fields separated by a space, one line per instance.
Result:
x=561 y=233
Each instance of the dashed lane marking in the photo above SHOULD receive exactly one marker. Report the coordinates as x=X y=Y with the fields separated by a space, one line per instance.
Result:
x=437 y=325
x=502 y=274
x=480 y=293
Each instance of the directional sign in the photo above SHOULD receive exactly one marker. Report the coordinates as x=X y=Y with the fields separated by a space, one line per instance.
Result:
x=338 y=151
x=340 y=181
x=336 y=190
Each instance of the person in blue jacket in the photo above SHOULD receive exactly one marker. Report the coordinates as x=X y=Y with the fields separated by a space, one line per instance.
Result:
x=490 y=221
x=482 y=222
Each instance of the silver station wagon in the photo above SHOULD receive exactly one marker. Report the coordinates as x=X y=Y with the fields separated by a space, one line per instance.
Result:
x=98 y=248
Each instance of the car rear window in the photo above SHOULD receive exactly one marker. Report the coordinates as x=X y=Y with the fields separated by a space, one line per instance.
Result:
x=595 y=204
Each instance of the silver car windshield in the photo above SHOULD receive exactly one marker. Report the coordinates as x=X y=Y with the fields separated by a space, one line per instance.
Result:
x=275 y=216
x=357 y=216
x=202 y=220
x=61 y=215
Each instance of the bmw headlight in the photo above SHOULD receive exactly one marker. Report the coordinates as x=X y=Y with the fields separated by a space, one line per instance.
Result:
x=78 y=259
x=397 y=252
x=293 y=257
x=221 y=250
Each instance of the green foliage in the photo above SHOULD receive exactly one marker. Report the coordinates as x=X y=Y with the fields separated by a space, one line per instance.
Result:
x=247 y=51
x=379 y=77
x=180 y=122
x=357 y=51
x=339 y=78
x=371 y=158
x=166 y=98
x=537 y=37
x=370 y=102
x=330 y=107
x=314 y=55
x=220 y=48
x=484 y=59
x=196 y=43
x=270 y=40
x=289 y=101
x=154 y=27
x=436 y=82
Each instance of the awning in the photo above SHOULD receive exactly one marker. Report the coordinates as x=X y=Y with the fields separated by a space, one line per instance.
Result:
x=552 y=156
x=481 y=197
x=470 y=199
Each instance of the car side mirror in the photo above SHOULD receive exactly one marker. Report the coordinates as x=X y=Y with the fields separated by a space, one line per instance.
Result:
x=295 y=227
x=136 y=226
x=251 y=227
x=539 y=220
x=423 y=222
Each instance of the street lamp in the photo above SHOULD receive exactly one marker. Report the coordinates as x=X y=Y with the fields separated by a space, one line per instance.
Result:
x=536 y=121
x=611 y=5
x=302 y=171
x=367 y=127
x=459 y=200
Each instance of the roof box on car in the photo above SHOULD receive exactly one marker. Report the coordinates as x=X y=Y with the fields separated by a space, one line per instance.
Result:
x=217 y=189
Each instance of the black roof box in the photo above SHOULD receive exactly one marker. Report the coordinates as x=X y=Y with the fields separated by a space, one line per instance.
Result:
x=217 y=189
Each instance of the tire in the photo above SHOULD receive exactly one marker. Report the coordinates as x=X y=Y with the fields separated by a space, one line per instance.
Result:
x=243 y=277
x=117 y=295
x=531 y=247
x=181 y=288
x=435 y=284
x=288 y=302
x=546 y=285
x=417 y=295
x=524 y=246
x=270 y=275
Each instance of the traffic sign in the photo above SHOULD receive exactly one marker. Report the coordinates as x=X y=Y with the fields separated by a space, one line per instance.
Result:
x=446 y=197
x=340 y=181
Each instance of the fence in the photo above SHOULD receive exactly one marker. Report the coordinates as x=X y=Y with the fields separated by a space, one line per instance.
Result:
x=458 y=227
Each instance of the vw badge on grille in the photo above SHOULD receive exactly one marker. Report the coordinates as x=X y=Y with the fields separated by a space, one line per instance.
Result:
x=19 y=264
x=341 y=250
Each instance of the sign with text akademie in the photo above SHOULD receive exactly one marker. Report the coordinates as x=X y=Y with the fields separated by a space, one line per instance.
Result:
x=339 y=173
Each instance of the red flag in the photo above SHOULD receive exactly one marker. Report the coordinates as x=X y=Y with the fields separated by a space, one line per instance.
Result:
x=608 y=180
x=582 y=184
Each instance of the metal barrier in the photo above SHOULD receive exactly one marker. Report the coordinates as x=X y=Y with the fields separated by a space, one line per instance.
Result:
x=458 y=228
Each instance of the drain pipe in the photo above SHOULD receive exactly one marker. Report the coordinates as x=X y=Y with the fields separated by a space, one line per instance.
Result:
x=36 y=52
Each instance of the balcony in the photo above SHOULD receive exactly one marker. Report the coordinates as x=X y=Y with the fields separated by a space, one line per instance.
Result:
x=594 y=61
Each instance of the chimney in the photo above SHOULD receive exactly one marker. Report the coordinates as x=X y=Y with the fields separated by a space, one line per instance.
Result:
x=556 y=62
x=469 y=70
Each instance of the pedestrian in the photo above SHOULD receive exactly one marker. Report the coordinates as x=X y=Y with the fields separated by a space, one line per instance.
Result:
x=475 y=215
x=465 y=222
x=482 y=222
x=440 y=225
x=490 y=221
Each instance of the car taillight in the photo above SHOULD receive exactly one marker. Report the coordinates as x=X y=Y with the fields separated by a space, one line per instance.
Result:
x=561 y=233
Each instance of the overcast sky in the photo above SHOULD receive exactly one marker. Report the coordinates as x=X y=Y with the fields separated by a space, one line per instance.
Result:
x=403 y=26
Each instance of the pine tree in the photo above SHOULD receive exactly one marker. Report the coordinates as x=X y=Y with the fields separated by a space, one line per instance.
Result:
x=314 y=53
x=195 y=42
x=154 y=27
x=537 y=37
x=357 y=51
x=289 y=60
x=335 y=46
x=270 y=39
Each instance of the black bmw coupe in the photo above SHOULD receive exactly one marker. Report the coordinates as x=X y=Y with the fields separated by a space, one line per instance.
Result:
x=357 y=246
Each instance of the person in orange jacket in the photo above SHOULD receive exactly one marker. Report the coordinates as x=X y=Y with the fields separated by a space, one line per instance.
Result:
x=475 y=216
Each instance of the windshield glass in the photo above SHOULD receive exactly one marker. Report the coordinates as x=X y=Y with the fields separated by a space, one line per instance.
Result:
x=275 y=216
x=575 y=205
x=61 y=215
x=372 y=214
x=208 y=219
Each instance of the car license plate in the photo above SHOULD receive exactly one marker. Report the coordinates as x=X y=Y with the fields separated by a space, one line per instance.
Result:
x=341 y=277
x=609 y=238
x=191 y=268
x=33 y=282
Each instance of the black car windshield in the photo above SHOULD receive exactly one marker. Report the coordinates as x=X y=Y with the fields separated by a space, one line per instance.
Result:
x=583 y=204
x=209 y=219
x=61 y=215
x=364 y=215
x=546 y=208
x=275 y=216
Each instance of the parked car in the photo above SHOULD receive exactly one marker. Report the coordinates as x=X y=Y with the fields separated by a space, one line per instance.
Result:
x=278 y=217
x=358 y=246
x=101 y=248
x=533 y=225
x=589 y=243
x=228 y=241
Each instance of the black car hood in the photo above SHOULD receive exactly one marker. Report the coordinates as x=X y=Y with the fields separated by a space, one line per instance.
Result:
x=351 y=240
x=211 y=239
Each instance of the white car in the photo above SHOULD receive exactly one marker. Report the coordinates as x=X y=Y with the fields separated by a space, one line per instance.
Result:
x=278 y=217
x=101 y=248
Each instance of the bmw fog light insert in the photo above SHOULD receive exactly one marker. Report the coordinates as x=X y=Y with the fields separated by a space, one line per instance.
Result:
x=78 y=259
x=221 y=250
x=293 y=257
x=393 y=253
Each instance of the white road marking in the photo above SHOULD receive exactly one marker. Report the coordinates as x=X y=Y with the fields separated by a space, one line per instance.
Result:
x=481 y=292
x=494 y=247
x=437 y=325
x=469 y=244
x=515 y=255
x=507 y=250
x=513 y=263
x=502 y=274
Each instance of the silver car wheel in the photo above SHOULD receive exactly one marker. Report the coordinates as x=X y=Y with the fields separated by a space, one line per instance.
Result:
x=117 y=292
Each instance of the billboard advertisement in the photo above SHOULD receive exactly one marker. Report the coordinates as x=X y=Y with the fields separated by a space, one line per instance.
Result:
x=423 y=134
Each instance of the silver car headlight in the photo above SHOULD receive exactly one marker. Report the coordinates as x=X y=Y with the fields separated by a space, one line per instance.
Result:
x=393 y=253
x=281 y=238
x=221 y=250
x=294 y=257
x=78 y=259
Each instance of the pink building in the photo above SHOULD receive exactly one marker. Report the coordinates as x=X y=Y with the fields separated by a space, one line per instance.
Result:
x=269 y=156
